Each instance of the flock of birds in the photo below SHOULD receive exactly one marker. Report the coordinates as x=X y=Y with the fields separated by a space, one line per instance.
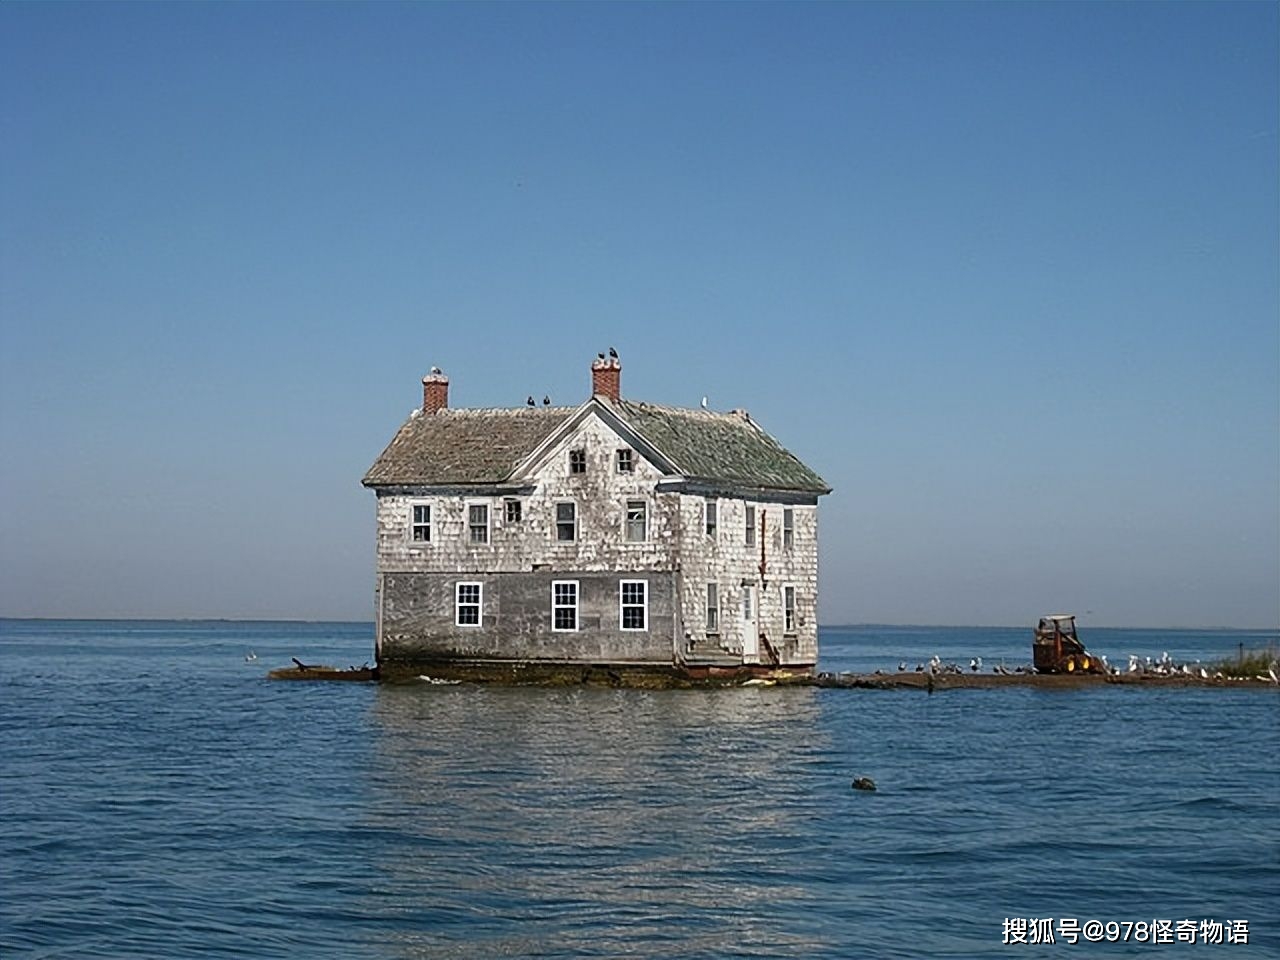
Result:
x=1161 y=666
x=546 y=400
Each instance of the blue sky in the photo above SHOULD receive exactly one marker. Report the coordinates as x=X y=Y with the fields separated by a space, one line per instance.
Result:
x=1006 y=275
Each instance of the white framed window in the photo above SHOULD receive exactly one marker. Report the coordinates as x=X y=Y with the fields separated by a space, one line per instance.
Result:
x=749 y=531
x=564 y=605
x=789 y=609
x=478 y=522
x=625 y=461
x=514 y=510
x=637 y=521
x=566 y=521
x=709 y=517
x=748 y=597
x=468 y=604
x=577 y=461
x=788 y=528
x=633 y=604
x=420 y=523
x=713 y=608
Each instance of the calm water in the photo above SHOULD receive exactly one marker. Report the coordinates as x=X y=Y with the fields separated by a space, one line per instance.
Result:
x=159 y=798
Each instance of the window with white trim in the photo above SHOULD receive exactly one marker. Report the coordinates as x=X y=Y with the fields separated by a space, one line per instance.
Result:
x=637 y=521
x=750 y=529
x=789 y=609
x=566 y=521
x=420 y=523
x=467 y=604
x=625 y=461
x=514 y=510
x=633 y=604
x=577 y=461
x=788 y=528
x=713 y=608
x=478 y=522
x=746 y=603
x=564 y=605
x=709 y=517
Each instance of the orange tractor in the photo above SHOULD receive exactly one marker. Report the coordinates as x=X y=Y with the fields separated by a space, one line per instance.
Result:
x=1056 y=649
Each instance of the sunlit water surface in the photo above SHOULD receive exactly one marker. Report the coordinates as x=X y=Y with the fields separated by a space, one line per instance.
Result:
x=160 y=798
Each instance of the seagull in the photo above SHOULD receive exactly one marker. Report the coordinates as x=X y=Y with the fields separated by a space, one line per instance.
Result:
x=436 y=370
x=546 y=401
x=975 y=664
x=529 y=401
x=250 y=657
x=919 y=668
x=599 y=356
x=902 y=667
x=1271 y=672
x=704 y=403
x=613 y=354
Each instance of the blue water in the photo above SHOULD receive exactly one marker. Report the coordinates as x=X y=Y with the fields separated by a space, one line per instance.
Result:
x=160 y=798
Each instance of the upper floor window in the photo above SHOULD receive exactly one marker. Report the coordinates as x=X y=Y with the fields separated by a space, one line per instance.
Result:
x=789 y=609
x=514 y=510
x=577 y=461
x=709 y=517
x=625 y=462
x=566 y=521
x=564 y=604
x=420 y=524
x=788 y=528
x=713 y=608
x=750 y=529
x=467 y=604
x=478 y=522
x=637 y=521
x=633 y=604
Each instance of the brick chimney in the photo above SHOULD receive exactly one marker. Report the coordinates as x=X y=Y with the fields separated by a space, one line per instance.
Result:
x=435 y=391
x=606 y=378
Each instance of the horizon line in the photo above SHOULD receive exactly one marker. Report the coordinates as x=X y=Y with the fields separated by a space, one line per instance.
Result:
x=828 y=626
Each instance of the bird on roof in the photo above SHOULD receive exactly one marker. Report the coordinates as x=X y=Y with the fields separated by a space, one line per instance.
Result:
x=529 y=401
x=613 y=354
x=436 y=370
x=599 y=356
x=546 y=401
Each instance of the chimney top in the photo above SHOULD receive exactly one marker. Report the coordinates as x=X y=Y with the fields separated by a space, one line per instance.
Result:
x=435 y=391
x=606 y=377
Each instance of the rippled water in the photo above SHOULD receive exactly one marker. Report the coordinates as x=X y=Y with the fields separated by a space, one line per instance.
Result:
x=159 y=798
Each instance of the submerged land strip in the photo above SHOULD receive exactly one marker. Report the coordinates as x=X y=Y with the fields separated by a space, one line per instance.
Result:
x=612 y=675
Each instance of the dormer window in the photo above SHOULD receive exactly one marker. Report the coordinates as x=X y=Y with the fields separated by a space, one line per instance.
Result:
x=625 y=461
x=577 y=461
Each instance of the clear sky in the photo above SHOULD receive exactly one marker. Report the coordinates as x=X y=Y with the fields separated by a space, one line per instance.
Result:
x=1006 y=275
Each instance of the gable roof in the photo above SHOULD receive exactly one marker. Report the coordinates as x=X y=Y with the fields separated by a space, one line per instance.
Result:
x=726 y=447
x=464 y=447
x=455 y=446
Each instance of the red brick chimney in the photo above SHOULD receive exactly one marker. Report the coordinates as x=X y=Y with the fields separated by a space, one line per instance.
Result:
x=606 y=377
x=435 y=391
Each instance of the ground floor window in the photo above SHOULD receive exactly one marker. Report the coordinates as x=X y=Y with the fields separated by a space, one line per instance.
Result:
x=713 y=608
x=467 y=604
x=633 y=602
x=789 y=609
x=564 y=605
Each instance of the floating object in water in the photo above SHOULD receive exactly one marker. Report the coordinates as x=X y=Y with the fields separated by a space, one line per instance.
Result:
x=759 y=682
x=250 y=657
x=438 y=681
x=864 y=783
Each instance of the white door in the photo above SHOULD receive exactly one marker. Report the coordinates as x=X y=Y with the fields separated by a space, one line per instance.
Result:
x=750 y=630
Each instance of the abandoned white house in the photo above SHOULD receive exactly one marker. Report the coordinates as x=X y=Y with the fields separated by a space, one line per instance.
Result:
x=616 y=535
